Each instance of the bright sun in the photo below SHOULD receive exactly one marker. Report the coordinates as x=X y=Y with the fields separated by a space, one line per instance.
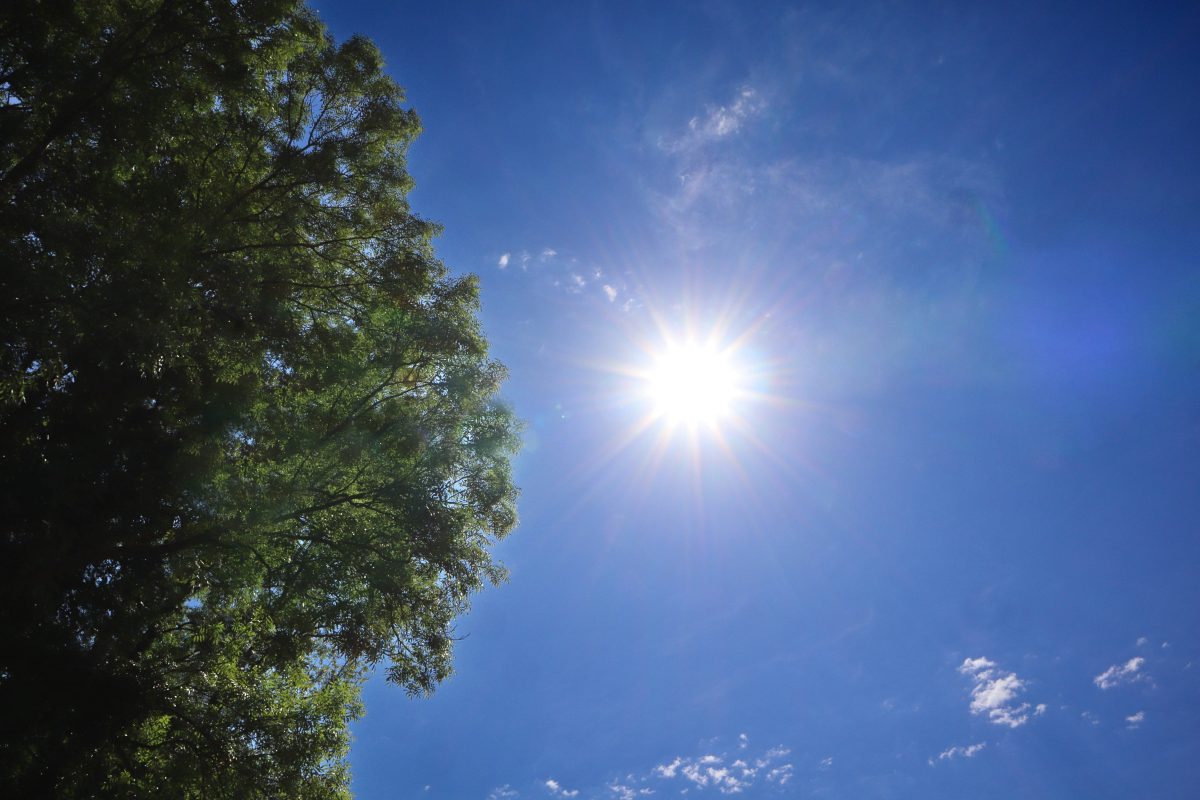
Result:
x=693 y=384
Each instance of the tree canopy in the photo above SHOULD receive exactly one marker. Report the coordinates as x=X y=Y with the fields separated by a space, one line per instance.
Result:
x=249 y=438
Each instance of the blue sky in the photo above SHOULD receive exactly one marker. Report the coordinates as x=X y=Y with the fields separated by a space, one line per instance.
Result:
x=945 y=542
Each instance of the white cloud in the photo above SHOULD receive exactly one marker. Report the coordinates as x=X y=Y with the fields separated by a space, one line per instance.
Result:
x=1142 y=640
x=729 y=772
x=995 y=693
x=556 y=789
x=707 y=771
x=1135 y=720
x=718 y=122
x=715 y=771
x=1129 y=672
x=960 y=752
x=724 y=120
x=781 y=774
x=564 y=272
x=1039 y=709
x=1088 y=716
x=743 y=739
x=976 y=664
x=695 y=773
x=827 y=762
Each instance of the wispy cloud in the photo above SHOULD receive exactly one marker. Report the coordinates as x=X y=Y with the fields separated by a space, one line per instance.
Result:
x=724 y=120
x=996 y=693
x=949 y=754
x=717 y=122
x=710 y=771
x=730 y=770
x=565 y=272
x=925 y=207
x=1134 y=721
x=781 y=774
x=1117 y=674
x=556 y=789
x=889 y=254
x=728 y=774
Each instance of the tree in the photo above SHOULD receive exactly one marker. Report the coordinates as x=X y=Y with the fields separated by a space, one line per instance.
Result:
x=249 y=439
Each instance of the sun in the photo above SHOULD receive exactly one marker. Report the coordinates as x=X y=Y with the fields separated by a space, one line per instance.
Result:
x=693 y=384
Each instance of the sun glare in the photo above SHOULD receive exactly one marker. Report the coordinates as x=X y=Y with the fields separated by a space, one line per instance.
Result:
x=693 y=384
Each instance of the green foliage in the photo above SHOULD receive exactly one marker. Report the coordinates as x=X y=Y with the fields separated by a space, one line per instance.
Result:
x=248 y=436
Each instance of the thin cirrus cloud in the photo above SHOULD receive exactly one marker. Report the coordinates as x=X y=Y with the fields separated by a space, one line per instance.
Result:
x=1134 y=721
x=717 y=122
x=1117 y=674
x=997 y=693
x=556 y=789
x=949 y=754
x=878 y=213
x=835 y=200
x=895 y=248
x=566 y=273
